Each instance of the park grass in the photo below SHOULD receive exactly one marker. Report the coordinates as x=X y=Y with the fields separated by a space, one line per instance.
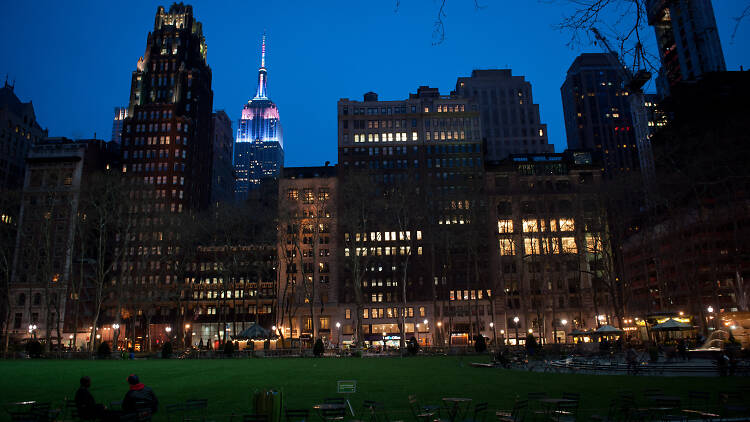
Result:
x=229 y=383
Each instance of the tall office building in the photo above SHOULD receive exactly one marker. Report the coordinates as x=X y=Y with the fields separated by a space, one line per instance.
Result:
x=121 y=113
x=57 y=170
x=167 y=153
x=687 y=39
x=18 y=132
x=510 y=120
x=597 y=112
x=428 y=147
x=222 y=174
x=259 y=146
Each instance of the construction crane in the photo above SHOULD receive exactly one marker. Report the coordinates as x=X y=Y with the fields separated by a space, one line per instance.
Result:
x=633 y=84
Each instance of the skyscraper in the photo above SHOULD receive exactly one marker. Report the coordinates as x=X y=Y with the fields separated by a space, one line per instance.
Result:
x=222 y=175
x=167 y=153
x=19 y=132
x=121 y=113
x=510 y=120
x=427 y=151
x=687 y=38
x=259 y=147
x=597 y=112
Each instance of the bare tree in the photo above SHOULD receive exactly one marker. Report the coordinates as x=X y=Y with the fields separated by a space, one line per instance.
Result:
x=360 y=199
x=10 y=203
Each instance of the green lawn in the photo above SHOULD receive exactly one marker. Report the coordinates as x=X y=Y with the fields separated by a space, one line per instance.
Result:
x=228 y=384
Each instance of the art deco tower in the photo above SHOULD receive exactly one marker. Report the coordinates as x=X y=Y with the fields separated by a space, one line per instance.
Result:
x=167 y=154
x=259 y=147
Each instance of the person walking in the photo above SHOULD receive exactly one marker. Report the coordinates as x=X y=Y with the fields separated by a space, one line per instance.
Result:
x=139 y=397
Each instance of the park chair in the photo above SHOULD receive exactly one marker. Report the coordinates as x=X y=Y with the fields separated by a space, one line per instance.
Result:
x=330 y=415
x=195 y=410
x=572 y=396
x=254 y=418
x=296 y=415
x=613 y=411
x=649 y=393
x=20 y=416
x=479 y=414
x=420 y=414
x=535 y=407
x=565 y=411
x=731 y=404
x=699 y=405
x=668 y=409
x=335 y=400
x=175 y=412
x=630 y=410
x=517 y=414
x=368 y=412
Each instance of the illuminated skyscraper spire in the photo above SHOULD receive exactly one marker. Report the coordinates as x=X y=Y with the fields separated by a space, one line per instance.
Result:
x=262 y=73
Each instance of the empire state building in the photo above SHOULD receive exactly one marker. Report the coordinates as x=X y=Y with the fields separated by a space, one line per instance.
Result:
x=259 y=147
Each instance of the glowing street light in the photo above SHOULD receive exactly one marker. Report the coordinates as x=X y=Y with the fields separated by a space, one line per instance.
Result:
x=515 y=322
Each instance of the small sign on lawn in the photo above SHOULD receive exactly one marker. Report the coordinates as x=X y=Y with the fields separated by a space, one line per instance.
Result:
x=346 y=386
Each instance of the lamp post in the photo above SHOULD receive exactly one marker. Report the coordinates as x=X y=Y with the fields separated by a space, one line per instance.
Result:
x=169 y=333
x=710 y=310
x=187 y=336
x=515 y=322
x=494 y=333
x=338 y=334
x=32 y=331
x=564 y=322
x=438 y=332
x=116 y=327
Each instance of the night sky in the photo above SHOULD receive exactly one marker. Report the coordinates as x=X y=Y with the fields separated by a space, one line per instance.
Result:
x=74 y=59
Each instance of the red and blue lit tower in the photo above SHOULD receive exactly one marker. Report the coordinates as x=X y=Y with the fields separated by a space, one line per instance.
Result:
x=259 y=147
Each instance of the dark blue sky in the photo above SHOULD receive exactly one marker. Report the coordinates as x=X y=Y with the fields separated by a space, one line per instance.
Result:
x=74 y=59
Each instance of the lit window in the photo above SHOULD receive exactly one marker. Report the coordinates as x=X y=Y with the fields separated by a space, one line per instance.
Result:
x=566 y=225
x=531 y=246
x=506 y=247
x=569 y=245
x=505 y=226
x=530 y=226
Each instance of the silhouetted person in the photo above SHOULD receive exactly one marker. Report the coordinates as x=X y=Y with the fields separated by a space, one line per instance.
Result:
x=87 y=407
x=139 y=397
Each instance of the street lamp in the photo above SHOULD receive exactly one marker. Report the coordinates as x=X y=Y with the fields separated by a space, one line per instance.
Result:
x=338 y=334
x=564 y=322
x=515 y=322
x=116 y=337
x=710 y=310
x=71 y=340
x=188 y=339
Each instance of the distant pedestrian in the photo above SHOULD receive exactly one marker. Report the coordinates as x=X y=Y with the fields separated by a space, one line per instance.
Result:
x=631 y=358
x=682 y=349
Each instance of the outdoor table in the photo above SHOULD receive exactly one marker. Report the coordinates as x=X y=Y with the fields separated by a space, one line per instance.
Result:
x=328 y=406
x=453 y=406
x=551 y=403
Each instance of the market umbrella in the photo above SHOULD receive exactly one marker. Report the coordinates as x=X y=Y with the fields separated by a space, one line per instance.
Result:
x=672 y=325
x=607 y=330
x=578 y=333
x=254 y=332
